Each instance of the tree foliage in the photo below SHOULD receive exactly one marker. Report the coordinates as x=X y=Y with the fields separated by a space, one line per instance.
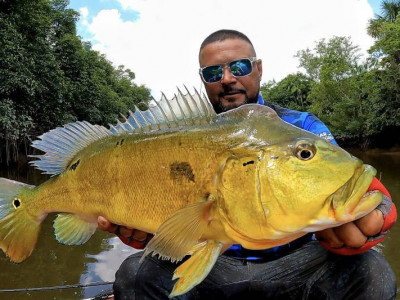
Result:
x=357 y=100
x=336 y=93
x=385 y=59
x=291 y=92
x=49 y=77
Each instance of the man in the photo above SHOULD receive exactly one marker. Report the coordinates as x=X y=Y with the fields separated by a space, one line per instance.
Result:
x=299 y=270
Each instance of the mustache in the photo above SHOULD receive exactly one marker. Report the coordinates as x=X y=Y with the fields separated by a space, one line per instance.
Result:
x=228 y=90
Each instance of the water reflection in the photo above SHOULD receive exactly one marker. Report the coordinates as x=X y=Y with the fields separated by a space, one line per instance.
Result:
x=103 y=265
x=53 y=264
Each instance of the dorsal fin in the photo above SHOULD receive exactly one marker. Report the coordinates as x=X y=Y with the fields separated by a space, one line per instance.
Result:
x=63 y=143
x=181 y=110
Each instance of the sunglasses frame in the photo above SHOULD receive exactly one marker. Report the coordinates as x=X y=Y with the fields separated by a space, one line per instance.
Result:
x=226 y=65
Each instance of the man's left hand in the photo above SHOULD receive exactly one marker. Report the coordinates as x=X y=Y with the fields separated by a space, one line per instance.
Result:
x=353 y=234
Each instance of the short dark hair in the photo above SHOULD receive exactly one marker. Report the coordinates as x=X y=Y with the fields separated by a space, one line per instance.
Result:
x=224 y=34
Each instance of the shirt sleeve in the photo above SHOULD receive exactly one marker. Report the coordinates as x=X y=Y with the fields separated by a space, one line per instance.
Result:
x=313 y=124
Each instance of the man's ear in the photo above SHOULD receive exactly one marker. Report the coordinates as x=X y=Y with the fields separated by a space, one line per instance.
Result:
x=259 y=67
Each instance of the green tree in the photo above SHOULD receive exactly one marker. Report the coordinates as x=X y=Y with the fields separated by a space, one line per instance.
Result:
x=336 y=95
x=49 y=77
x=385 y=61
x=291 y=92
x=390 y=11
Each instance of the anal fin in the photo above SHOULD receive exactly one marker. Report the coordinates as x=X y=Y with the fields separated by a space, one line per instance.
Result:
x=196 y=268
x=72 y=229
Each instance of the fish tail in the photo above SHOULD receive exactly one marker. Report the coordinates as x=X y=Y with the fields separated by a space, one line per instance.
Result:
x=18 y=229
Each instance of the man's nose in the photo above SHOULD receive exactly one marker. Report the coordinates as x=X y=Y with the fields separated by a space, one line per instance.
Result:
x=227 y=77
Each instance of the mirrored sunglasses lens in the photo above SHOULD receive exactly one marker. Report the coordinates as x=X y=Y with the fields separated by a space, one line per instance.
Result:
x=212 y=74
x=241 y=67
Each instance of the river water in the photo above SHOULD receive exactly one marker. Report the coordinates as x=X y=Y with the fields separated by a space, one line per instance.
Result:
x=56 y=265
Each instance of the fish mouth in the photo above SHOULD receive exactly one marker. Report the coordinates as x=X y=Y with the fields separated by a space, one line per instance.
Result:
x=353 y=200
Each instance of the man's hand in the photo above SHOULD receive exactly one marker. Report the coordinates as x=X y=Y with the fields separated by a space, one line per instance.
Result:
x=353 y=234
x=132 y=237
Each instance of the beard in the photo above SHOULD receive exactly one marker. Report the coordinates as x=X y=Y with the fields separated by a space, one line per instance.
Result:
x=220 y=107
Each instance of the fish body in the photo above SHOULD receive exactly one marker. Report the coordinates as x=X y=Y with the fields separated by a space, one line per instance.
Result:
x=199 y=181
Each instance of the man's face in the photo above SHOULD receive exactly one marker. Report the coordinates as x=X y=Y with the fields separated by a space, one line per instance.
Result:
x=231 y=92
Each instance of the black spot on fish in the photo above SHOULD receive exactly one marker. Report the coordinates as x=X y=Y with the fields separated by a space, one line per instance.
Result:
x=251 y=162
x=74 y=165
x=122 y=141
x=16 y=203
x=119 y=143
x=180 y=171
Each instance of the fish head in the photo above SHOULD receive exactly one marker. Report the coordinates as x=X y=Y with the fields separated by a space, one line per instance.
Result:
x=312 y=185
x=284 y=181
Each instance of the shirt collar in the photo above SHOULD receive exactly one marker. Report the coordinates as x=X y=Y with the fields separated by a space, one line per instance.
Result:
x=260 y=100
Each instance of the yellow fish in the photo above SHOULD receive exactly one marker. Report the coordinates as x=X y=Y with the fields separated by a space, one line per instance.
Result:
x=200 y=181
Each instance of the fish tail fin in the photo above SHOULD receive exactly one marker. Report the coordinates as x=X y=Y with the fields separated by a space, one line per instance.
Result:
x=18 y=230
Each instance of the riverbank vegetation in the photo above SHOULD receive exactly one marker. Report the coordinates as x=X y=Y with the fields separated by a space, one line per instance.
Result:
x=358 y=100
x=49 y=77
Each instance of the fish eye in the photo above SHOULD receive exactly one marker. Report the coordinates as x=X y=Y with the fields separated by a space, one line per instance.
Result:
x=304 y=151
x=16 y=203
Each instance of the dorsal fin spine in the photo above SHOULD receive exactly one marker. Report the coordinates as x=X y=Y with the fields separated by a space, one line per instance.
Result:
x=209 y=111
x=173 y=115
x=186 y=103
x=139 y=117
x=142 y=116
x=189 y=110
x=132 y=122
x=150 y=119
x=183 y=116
x=135 y=122
x=192 y=112
x=157 y=121
x=193 y=101
x=163 y=113
x=128 y=124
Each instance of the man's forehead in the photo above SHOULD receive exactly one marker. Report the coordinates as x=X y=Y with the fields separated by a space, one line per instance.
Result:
x=225 y=50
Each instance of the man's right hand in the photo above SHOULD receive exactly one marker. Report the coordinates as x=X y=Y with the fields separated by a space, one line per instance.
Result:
x=129 y=236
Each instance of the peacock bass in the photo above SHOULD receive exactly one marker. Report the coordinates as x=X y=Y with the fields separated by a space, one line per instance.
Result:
x=198 y=180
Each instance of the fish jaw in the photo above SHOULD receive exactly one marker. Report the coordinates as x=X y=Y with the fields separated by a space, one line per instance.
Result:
x=352 y=201
x=349 y=203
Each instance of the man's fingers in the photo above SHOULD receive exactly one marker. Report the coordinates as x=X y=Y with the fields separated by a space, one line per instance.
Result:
x=350 y=235
x=125 y=231
x=329 y=236
x=105 y=225
x=371 y=224
x=139 y=236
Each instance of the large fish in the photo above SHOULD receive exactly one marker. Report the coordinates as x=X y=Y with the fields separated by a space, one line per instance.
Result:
x=199 y=181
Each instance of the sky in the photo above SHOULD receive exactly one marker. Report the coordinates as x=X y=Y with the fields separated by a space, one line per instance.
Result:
x=159 y=39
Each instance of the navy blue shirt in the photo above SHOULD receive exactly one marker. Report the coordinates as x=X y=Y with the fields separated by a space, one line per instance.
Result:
x=306 y=121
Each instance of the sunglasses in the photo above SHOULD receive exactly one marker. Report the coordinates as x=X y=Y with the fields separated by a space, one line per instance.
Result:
x=238 y=68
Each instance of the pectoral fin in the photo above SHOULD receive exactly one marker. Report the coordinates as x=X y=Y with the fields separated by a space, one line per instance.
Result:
x=196 y=268
x=177 y=236
x=72 y=229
